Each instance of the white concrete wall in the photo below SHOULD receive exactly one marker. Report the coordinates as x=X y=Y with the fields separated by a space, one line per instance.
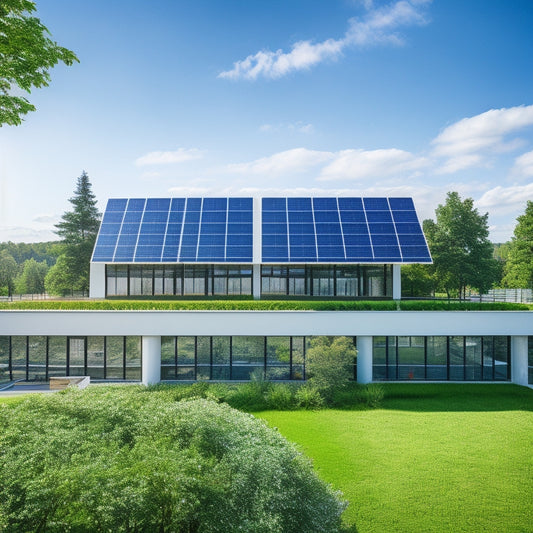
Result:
x=396 y=282
x=519 y=370
x=353 y=323
x=151 y=360
x=364 y=359
x=97 y=280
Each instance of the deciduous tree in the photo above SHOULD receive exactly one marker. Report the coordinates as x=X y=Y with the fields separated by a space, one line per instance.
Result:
x=519 y=265
x=8 y=272
x=26 y=55
x=31 y=281
x=460 y=247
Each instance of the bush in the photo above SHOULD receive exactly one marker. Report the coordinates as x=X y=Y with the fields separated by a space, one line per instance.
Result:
x=308 y=397
x=330 y=363
x=119 y=459
x=280 y=396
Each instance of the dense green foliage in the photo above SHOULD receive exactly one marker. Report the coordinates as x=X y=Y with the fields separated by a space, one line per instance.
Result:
x=27 y=54
x=8 y=272
x=31 y=280
x=127 y=459
x=329 y=363
x=461 y=251
x=40 y=251
x=434 y=458
x=261 y=305
x=78 y=230
x=519 y=265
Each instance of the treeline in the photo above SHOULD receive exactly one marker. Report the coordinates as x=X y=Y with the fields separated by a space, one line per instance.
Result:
x=55 y=267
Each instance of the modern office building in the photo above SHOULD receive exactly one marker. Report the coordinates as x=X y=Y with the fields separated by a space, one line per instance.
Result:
x=343 y=248
x=269 y=247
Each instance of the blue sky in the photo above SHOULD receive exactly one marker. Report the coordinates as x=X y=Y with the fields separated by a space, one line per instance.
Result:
x=292 y=97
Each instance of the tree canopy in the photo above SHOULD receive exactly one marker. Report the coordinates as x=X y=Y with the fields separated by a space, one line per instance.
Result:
x=460 y=247
x=78 y=229
x=26 y=55
x=519 y=265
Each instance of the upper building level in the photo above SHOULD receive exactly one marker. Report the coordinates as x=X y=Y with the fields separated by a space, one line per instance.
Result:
x=312 y=246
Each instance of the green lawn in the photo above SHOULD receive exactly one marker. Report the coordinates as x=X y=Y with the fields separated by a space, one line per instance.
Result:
x=435 y=458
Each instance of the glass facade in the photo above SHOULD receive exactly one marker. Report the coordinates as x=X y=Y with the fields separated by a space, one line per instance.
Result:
x=234 y=358
x=354 y=281
x=178 y=280
x=454 y=358
x=38 y=358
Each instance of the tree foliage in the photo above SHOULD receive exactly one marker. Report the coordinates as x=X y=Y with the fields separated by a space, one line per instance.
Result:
x=26 y=55
x=462 y=253
x=124 y=459
x=519 y=265
x=78 y=230
x=31 y=280
x=8 y=272
x=329 y=363
x=417 y=280
x=40 y=251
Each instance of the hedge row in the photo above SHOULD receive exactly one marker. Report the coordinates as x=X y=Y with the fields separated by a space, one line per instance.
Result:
x=262 y=305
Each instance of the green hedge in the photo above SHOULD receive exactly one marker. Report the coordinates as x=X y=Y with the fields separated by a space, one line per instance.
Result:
x=261 y=305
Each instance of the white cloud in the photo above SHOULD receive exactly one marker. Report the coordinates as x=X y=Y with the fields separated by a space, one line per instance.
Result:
x=505 y=200
x=164 y=158
x=360 y=164
x=298 y=127
x=290 y=161
x=377 y=27
x=470 y=141
x=523 y=166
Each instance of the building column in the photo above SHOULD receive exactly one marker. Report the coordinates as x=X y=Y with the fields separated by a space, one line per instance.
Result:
x=151 y=360
x=519 y=370
x=364 y=359
x=97 y=280
x=256 y=282
x=396 y=282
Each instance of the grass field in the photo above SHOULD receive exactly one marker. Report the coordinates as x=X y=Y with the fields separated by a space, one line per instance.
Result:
x=434 y=458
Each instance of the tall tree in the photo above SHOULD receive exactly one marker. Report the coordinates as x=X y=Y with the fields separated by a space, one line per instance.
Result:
x=78 y=229
x=519 y=265
x=8 y=272
x=460 y=247
x=26 y=55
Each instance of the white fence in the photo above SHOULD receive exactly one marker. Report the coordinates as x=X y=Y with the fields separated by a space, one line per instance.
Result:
x=523 y=296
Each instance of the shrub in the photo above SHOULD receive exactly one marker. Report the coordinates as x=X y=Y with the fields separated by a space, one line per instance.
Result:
x=330 y=363
x=280 y=396
x=308 y=397
x=119 y=459
x=370 y=395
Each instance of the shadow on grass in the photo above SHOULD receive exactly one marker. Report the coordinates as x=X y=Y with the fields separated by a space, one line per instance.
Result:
x=457 y=397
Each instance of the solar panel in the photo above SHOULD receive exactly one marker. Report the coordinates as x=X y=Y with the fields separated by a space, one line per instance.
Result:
x=292 y=230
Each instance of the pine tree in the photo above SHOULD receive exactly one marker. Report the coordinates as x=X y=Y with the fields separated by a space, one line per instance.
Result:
x=519 y=265
x=78 y=230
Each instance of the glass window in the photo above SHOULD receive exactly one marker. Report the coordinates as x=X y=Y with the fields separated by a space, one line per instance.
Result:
x=530 y=359
x=121 y=273
x=115 y=357
x=473 y=354
x=158 y=281
x=57 y=356
x=437 y=349
x=147 y=281
x=5 y=370
x=135 y=281
x=169 y=280
x=18 y=356
x=186 y=351
x=221 y=357
x=457 y=359
x=95 y=357
x=76 y=347
x=168 y=358
x=203 y=357
x=298 y=357
x=411 y=362
x=501 y=358
x=379 y=357
x=37 y=358
x=278 y=351
x=347 y=280
x=111 y=280
x=248 y=355
x=133 y=358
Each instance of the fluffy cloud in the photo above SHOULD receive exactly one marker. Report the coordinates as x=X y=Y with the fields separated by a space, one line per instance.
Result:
x=360 y=164
x=377 y=27
x=164 y=158
x=290 y=161
x=505 y=200
x=523 y=166
x=469 y=141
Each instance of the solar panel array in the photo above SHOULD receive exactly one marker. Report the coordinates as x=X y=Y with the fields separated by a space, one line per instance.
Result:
x=337 y=230
x=293 y=230
x=169 y=230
